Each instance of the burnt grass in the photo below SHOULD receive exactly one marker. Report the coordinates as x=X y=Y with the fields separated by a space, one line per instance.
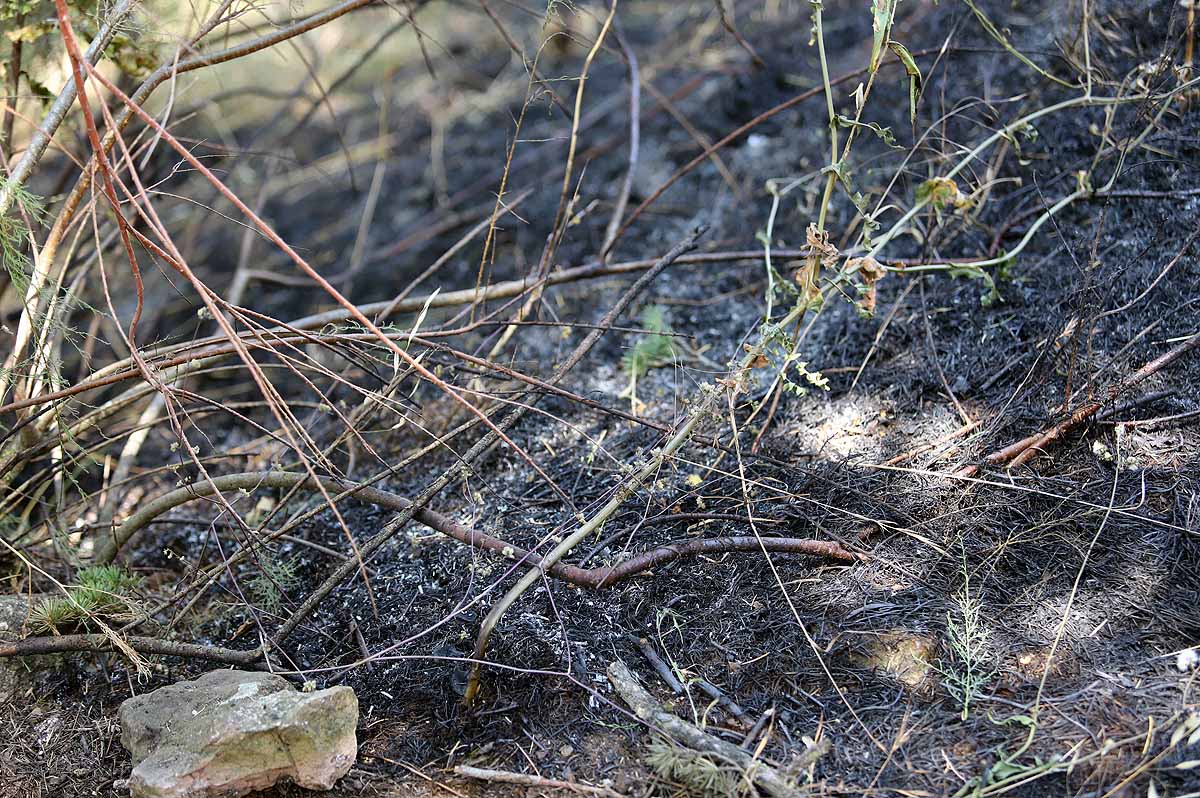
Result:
x=1087 y=302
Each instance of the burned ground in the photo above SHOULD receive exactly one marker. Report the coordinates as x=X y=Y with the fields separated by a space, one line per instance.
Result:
x=1082 y=569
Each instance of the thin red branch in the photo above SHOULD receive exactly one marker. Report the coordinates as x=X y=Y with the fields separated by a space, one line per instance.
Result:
x=1023 y=451
x=604 y=576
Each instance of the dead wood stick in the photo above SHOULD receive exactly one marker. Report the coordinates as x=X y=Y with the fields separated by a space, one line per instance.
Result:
x=530 y=780
x=1088 y=410
x=762 y=775
x=725 y=9
x=660 y=665
x=1019 y=453
x=32 y=646
x=757 y=728
x=604 y=576
x=723 y=701
x=1152 y=422
x=175 y=354
x=1125 y=407
x=595 y=578
x=635 y=126
x=911 y=453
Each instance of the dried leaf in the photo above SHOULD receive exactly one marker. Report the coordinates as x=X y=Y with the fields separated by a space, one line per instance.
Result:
x=820 y=248
x=942 y=192
x=870 y=271
x=821 y=254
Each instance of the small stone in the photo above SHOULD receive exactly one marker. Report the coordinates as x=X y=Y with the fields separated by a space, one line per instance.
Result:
x=229 y=733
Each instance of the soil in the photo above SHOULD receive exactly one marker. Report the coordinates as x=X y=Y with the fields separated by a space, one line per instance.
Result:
x=1081 y=572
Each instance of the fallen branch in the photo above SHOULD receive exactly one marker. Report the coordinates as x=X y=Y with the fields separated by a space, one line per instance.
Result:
x=1020 y=453
x=33 y=646
x=600 y=577
x=700 y=410
x=489 y=439
x=925 y=447
x=759 y=773
x=531 y=780
x=595 y=578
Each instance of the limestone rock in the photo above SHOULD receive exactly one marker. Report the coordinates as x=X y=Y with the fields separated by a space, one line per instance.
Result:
x=229 y=733
x=15 y=672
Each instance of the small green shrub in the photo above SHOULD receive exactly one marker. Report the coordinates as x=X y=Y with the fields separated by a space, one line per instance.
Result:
x=970 y=670
x=268 y=587
x=101 y=591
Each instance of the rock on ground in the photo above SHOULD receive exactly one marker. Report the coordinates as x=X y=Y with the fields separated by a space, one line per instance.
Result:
x=15 y=672
x=229 y=733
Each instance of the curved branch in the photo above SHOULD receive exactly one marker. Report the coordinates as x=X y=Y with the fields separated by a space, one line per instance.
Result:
x=603 y=576
x=692 y=548
x=594 y=578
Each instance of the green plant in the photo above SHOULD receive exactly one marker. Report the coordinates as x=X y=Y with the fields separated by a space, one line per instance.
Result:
x=970 y=670
x=14 y=232
x=107 y=580
x=652 y=350
x=781 y=353
x=269 y=586
x=101 y=591
x=700 y=774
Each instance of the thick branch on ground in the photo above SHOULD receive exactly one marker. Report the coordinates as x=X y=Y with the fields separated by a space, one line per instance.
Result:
x=489 y=439
x=762 y=775
x=595 y=578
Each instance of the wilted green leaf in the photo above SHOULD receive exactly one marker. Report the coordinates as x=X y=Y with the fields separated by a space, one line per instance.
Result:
x=884 y=133
x=654 y=348
x=915 y=81
x=883 y=12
